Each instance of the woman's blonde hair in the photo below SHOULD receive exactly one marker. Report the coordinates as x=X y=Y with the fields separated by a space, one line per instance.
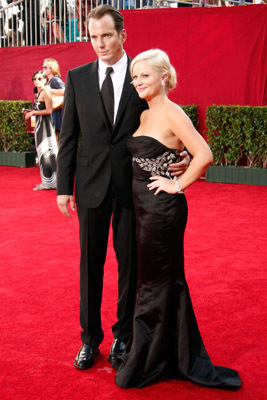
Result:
x=158 y=60
x=53 y=64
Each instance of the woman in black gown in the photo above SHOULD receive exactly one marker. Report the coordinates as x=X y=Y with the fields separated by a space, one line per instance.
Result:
x=44 y=132
x=166 y=340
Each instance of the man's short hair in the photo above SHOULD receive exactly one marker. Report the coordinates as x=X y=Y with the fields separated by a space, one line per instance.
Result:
x=99 y=12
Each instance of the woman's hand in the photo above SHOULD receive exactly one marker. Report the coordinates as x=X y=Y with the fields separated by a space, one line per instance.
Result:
x=29 y=115
x=162 y=185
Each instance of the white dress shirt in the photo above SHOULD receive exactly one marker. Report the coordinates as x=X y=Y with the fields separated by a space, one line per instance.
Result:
x=117 y=76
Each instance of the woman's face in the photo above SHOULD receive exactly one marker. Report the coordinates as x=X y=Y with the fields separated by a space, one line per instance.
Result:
x=39 y=81
x=146 y=80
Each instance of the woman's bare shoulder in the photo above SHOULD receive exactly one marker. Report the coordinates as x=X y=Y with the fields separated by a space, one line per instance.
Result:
x=143 y=115
x=174 y=111
x=47 y=89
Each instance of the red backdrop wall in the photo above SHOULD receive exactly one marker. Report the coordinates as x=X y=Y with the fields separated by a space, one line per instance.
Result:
x=219 y=54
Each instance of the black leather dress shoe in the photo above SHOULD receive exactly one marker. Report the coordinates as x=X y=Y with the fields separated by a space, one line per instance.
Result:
x=118 y=348
x=85 y=357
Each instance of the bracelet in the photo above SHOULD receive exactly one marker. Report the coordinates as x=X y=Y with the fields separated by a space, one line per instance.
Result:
x=177 y=187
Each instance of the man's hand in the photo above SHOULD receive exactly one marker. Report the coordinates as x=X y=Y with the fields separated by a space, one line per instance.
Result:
x=179 y=168
x=63 y=201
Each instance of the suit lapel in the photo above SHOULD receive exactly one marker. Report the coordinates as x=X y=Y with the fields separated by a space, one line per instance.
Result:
x=94 y=88
x=127 y=91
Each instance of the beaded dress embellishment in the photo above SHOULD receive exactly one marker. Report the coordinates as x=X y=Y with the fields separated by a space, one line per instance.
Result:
x=160 y=164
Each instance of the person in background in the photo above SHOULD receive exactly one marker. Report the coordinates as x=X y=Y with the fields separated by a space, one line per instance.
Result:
x=58 y=13
x=44 y=132
x=53 y=75
x=13 y=26
x=83 y=8
x=166 y=340
x=72 y=32
x=2 y=24
x=32 y=19
x=101 y=109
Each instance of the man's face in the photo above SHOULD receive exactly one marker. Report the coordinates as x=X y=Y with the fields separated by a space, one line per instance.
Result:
x=47 y=70
x=106 y=41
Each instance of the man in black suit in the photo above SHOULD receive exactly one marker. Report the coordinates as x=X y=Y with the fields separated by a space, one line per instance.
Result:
x=103 y=178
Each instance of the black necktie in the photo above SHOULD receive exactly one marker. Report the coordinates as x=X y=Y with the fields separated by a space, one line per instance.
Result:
x=107 y=93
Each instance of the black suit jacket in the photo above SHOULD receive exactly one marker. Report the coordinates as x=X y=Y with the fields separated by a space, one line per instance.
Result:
x=103 y=154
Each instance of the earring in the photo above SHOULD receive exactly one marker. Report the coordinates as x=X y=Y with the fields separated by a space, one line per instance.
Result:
x=162 y=83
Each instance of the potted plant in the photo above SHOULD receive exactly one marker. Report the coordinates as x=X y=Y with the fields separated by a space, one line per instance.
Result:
x=16 y=140
x=237 y=136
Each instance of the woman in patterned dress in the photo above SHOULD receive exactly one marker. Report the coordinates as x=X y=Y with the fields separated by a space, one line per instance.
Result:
x=44 y=132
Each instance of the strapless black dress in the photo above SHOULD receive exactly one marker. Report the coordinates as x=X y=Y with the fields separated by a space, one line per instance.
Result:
x=166 y=340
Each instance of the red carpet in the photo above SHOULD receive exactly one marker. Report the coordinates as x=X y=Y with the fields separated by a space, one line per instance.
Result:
x=226 y=249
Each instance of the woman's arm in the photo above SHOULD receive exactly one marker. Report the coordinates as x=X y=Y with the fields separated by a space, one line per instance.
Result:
x=182 y=127
x=58 y=92
x=48 y=105
x=57 y=86
x=194 y=142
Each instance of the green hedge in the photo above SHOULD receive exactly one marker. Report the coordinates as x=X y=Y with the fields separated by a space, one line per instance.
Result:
x=14 y=135
x=237 y=135
x=191 y=111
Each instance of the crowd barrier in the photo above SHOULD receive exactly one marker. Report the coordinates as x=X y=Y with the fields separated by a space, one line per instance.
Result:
x=41 y=22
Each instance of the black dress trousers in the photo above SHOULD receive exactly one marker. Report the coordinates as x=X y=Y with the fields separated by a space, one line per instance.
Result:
x=94 y=230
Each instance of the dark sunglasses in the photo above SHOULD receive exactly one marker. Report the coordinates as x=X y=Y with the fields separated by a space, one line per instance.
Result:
x=37 y=79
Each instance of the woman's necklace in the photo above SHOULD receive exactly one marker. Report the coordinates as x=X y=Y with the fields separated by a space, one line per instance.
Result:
x=38 y=94
x=37 y=97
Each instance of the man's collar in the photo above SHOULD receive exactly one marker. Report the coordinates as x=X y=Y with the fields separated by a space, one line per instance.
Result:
x=117 y=67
